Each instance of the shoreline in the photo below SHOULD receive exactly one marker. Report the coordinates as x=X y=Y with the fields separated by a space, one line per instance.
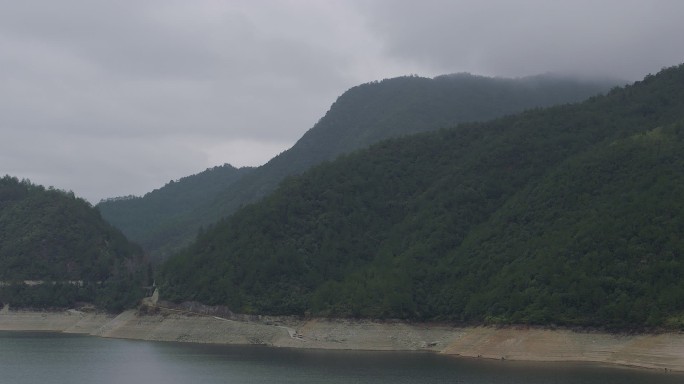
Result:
x=663 y=352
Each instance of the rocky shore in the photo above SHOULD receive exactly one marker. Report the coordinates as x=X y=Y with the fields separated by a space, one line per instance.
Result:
x=656 y=351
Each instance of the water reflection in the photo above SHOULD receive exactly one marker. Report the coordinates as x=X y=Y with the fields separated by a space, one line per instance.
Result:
x=56 y=358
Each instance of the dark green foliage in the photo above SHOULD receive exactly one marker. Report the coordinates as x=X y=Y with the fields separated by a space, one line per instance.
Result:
x=570 y=215
x=595 y=242
x=360 y=117
x=51 y=236
x=161 y=219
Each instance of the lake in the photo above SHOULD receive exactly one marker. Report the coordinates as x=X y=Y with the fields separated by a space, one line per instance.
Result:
x=34 y=357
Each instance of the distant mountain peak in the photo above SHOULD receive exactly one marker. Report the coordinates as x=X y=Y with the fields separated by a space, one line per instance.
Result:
x=360 y=117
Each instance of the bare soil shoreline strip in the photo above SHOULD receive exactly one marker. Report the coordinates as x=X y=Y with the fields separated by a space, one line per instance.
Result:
x=656 y=351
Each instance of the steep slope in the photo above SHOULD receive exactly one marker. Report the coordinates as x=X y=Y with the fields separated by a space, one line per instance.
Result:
x=55 y=238
x=595 y=241
x=395 y=107
x=361 y=116
x=154 y=220
x=480 y=223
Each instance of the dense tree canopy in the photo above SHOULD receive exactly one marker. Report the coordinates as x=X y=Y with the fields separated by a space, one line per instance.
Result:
x=170 y=217
x=569 y=215
x=163 y=217
x=53 y=237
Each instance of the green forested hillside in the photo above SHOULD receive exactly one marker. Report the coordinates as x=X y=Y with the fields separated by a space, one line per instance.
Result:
x=361 y=116
x=51 y=236
x=400 y=106
x=159 y=218
x=597 y=240
x=570 y=215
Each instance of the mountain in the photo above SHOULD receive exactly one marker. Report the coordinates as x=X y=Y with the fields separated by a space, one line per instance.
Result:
x=54 y=238
x=360 y=117
x=570 y=215
x=157 y=219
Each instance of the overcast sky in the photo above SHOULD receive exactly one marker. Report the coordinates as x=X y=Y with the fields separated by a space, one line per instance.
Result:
x=111 y=98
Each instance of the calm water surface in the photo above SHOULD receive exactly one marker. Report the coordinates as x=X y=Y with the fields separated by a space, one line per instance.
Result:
x=30 y=357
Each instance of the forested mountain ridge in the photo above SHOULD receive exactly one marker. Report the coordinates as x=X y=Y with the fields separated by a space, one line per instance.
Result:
x=569 y=215
x=379 y=110
x=53 y=237
x=363 y=115
x=375 y=111
x=157 y=218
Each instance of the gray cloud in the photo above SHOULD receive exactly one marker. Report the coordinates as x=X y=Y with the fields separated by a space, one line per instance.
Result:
x=110 y=98
x=619 y=38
